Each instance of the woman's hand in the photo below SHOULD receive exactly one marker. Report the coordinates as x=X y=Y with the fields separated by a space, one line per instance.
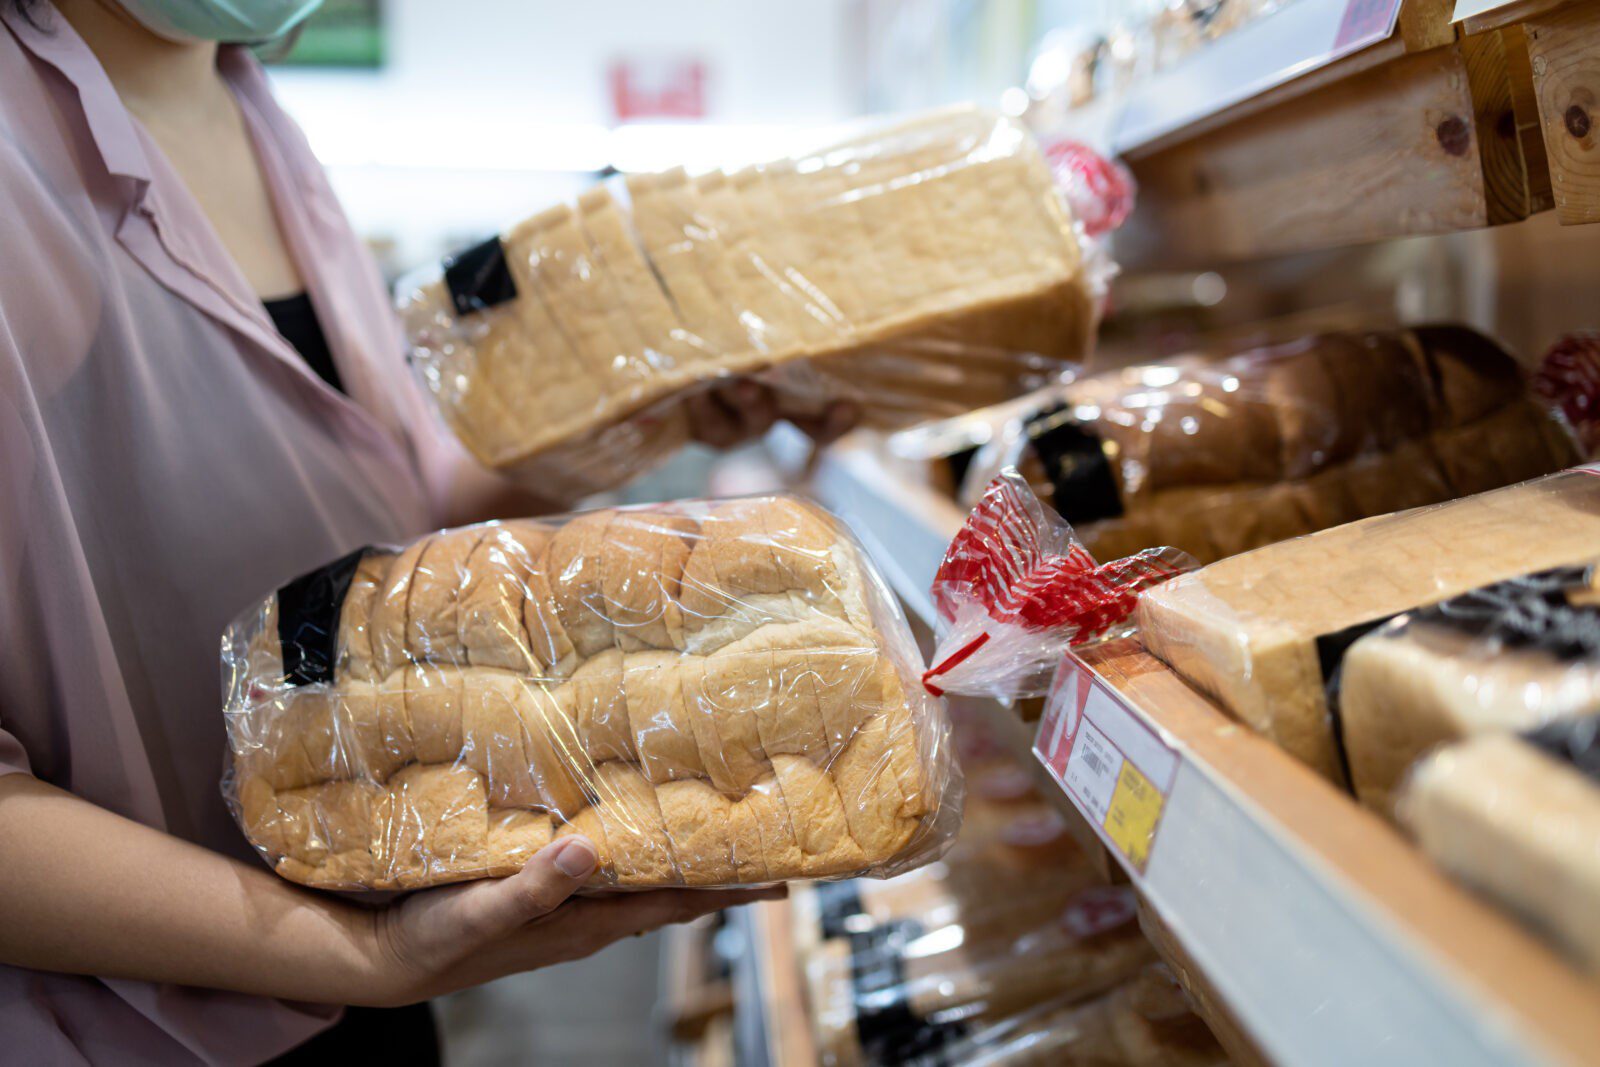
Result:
x=441 y=940
x=84 y=891
x=744 y=410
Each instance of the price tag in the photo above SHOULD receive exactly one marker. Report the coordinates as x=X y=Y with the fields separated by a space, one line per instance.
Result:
x=1365 y=22
x=1112 y=764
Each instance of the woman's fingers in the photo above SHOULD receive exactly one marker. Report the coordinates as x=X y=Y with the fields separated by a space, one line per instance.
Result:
x=730 y=414
x=710 y=421
x=838 y=419
x=432 y=929
x=589 y=924
x=492 y=909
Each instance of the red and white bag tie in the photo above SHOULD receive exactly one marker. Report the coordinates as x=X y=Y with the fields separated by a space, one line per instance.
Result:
x=1017 y=588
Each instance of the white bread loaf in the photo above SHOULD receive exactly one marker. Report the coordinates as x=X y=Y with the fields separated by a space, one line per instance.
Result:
x=1508 y=657
x=1253 y=631
x=715 y=694
x=875 y=260
x=1518 y=818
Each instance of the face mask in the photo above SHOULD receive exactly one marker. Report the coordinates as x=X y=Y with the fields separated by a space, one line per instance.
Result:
x=228 y=21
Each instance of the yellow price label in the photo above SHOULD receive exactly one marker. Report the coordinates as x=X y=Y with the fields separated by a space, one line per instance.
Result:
x=1133 y=813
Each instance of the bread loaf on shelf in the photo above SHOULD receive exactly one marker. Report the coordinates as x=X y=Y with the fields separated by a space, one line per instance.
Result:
x=713 y=693
x=921 y=270
x=1218 y=455
x=1263 y=632
x=1513 y=655
x=1518 y=817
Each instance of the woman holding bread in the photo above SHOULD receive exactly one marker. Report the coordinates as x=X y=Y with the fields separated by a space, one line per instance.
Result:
x=201 y=395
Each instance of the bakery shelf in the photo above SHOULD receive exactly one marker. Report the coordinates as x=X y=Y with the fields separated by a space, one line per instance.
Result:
x=1308 y=921
x=1294 y=133
x=772 y=1025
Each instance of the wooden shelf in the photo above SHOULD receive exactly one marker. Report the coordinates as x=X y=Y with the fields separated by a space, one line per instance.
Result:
x=1309 y=925
x=1274 y=140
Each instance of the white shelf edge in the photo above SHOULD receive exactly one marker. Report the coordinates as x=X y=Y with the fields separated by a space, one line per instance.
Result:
x=1221 y=74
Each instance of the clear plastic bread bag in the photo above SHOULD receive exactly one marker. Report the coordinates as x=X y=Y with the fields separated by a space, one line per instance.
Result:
x=1148 y=1021
x=714 y=692
x=925 y=268
x=1223 y=451
x=1513 y=655
x=1517 y=818
x=1017 y=589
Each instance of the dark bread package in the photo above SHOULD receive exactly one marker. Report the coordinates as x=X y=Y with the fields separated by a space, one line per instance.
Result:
x=1221 y=452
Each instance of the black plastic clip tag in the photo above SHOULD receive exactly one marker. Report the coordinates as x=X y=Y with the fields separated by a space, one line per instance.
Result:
x=479 y=278
x=308 y=619
x=1075 y=461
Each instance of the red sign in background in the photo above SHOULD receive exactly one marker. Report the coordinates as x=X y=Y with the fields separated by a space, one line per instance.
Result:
x=658 y=88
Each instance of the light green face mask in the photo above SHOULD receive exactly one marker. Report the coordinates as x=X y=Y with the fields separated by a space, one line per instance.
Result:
x=229 y=21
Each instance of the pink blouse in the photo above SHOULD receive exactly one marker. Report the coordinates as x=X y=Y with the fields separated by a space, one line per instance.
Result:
x=165 y=459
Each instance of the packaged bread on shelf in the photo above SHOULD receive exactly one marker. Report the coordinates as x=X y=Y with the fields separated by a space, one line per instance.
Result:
x=1518 y=818
x=1512 y=655
x=1226 y=451
x=884 y=992
x=1011 y=917
x=1264 y=632
x=715 y=693
x=1147 y=1021
x=920 y=270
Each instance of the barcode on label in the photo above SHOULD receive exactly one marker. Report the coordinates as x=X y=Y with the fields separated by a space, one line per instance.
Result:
x=1091 y=773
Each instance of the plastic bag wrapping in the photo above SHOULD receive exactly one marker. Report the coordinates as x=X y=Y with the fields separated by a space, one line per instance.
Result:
x=1518 y=818
x=923 y=269
x=1511 y=655
x=1006 y=947
x=1017 y=588
x=1147 y=1021
x=715 y=693
x=1263 y=633
x=1220 y=453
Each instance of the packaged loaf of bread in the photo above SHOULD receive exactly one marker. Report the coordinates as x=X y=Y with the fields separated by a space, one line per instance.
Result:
x=715 y=693
x=1265 y=632
x=1518 y=818
x=920 y=270
x=1147 y=1021
x=1222 y=452
x=1013 y=915
x=1508 y=656
x=883 y=993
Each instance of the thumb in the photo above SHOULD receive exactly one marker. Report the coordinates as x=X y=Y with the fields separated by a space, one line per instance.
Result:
x=492 y=909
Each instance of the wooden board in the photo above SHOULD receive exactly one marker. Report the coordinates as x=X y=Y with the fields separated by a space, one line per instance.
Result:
x=1476 y=944
x=1515 y=176
x=1388 y=152
x=1564 y=55
x=790 y=1042
x=691 y=996
x=1508 y=14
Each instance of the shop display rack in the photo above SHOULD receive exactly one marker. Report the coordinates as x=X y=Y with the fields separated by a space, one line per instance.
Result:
x=1332 y=122
x=1308 y=929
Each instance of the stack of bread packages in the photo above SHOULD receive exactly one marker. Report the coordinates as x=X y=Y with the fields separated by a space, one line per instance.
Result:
x=1290 y=638
x=1008 y=950
x=1517 y=816
x=920 y=270
x=715 y=693
x=1220 y=453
